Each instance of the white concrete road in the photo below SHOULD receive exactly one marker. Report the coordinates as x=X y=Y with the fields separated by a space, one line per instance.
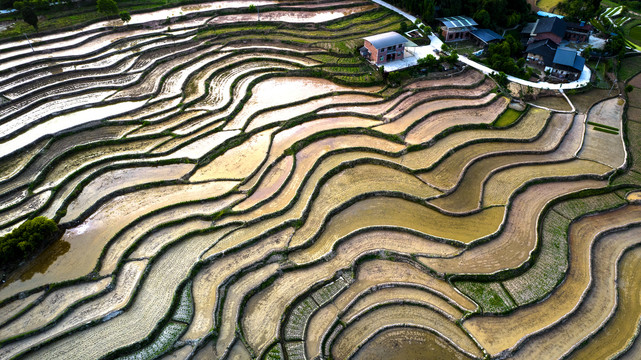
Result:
x=421 y=51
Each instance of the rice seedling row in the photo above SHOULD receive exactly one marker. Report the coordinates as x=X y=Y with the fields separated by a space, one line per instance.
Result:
x=596 y=307
x=508 y=334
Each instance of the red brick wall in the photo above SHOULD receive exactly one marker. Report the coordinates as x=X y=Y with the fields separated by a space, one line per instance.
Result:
x=372 y=50
x=452 y=36
x=376 y=55
x=557 y=39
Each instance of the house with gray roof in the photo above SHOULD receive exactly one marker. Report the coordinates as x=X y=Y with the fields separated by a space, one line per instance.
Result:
x=551 y=28
x=383 y=48
x=556 y=29
x=457 y=28
x=567 y=64
x=541 y=53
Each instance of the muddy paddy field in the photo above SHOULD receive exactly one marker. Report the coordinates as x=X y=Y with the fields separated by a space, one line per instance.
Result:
x=236 y=189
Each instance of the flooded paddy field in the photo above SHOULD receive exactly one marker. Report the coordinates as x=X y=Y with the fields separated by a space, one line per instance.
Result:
x=236 y=189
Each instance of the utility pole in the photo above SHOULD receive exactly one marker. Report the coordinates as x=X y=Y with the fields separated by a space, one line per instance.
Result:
x=29 y=42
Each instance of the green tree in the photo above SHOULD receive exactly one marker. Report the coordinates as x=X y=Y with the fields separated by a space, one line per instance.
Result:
x=501 y=78
x=429 y=61
x=403 y=27
x=30 y=16
x=629 y=88
x=513 y=19
x=428 y=11
x=125 y=17
x=483 y=18
x=27 y=238
x=107 y=7
x=615 y=46
x=252 y=7
x=580 y=9
x=452 y=58
x=501 y=56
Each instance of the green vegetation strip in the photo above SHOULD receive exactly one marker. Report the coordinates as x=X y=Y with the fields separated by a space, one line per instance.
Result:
x=603 y=126
x=509 y=117
x=629 y=67
x=606 y=130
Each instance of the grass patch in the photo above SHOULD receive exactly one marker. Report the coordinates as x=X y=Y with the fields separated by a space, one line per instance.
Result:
x=547 y=5
x=553 y=102
x=370 y=16
x=634 y=146
x=491 y=297
x=600 y=72
x=466 y=47
x=635 y=34
x=346 y=70
x=275 y=353
x=163 y=343
x=508 y=118
x=629 y=67
x=576 y=207
x=583 y=101
x=609 y=3
x=225 y=30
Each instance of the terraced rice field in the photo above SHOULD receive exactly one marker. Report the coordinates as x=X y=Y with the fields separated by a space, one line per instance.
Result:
x=235 y=189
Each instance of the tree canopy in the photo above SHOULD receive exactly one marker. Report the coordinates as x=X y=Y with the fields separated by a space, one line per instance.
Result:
x=615 y=46
x=580 y=9
x=26 y=239
x=125 y=17
x=500 y=57
x=504 y=13
x=107 y=7
x=30 y=17
x=33 y=4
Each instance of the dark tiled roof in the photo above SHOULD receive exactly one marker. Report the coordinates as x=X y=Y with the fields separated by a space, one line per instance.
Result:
x=544 y=48
x=486 y=35
x=527 y=29
x=457 y=21
x=582 y=25
x=386 y=39
x=569 y=58
x=550 y=25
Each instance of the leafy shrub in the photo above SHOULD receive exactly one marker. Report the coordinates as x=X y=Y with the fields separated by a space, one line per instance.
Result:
x=107 y=7
x=26 y=239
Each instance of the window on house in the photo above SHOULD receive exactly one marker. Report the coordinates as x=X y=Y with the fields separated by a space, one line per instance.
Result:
x=382 y=58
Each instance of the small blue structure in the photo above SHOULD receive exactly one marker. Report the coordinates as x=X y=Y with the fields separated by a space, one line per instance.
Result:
x=547 y=14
